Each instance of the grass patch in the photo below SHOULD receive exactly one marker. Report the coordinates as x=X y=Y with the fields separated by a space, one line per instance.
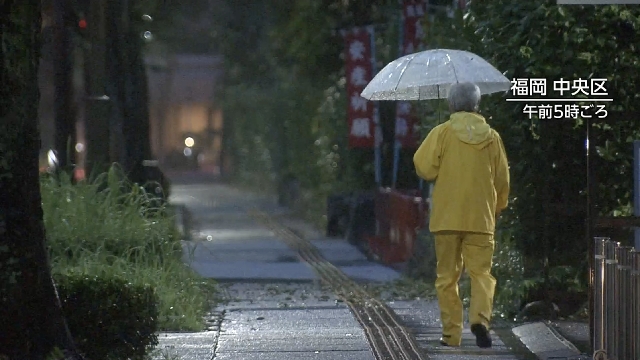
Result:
x=112 y=227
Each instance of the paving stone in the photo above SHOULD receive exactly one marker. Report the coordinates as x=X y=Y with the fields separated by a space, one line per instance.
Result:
x=543 y=342
x=189 y=346
x=245 y=270
x=295 y=355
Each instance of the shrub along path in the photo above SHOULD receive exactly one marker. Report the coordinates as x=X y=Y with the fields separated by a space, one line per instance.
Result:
x=275 y=306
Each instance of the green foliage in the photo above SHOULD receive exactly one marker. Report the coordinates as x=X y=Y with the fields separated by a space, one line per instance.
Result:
x=126 y=224
x=508 y=269
x=108 y=227
x=422 y=264
x=109 y=317
x=306 y=34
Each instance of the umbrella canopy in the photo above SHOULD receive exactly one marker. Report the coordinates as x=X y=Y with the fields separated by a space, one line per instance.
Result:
x=429 y=75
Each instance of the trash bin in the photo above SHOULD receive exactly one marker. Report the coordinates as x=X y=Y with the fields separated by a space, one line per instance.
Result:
x=362 y=220
x=338 y=214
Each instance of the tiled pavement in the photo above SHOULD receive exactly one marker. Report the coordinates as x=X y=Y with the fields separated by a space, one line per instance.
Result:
x=277 y=309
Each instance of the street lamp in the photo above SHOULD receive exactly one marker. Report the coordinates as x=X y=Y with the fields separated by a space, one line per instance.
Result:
x=189 y=142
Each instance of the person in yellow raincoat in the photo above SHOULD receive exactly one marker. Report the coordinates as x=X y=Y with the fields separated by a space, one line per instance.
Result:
x=466 y=160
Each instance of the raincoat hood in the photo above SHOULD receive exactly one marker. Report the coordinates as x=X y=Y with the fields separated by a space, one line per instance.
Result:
x=471 y=129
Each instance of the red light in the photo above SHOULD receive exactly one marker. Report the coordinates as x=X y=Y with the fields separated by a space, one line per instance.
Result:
x=82 y=24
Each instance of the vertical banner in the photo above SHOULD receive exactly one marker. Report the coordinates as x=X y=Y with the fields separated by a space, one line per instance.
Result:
x=376 y=115
x=359 y=71
x=412 y=40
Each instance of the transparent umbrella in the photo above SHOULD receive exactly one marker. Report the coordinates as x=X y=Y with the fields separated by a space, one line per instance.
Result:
x=429 y=75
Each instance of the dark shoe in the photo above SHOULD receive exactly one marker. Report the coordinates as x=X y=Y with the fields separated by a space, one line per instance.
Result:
x=483 y=338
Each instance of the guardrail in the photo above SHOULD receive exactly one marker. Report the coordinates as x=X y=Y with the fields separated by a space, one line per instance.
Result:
x=616 y=301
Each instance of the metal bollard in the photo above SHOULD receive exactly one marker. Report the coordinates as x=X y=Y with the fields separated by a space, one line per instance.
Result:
x=625 y=301
x=619 y=307
x=635 y=300
x=600 y=330
x=631 y=302
x=611 y=298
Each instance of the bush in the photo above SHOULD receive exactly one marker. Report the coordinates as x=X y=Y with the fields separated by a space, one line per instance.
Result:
x=107 y=215
x=422 y=264
x=109 y=317
x=109 y=227
x=509 y=271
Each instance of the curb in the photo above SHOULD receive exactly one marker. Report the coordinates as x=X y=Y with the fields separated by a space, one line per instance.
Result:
x=183 y=222
x=546 y=343
x=179 y=218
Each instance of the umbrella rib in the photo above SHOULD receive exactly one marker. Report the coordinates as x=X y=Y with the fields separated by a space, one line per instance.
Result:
x=455 y=74
x=402 y=74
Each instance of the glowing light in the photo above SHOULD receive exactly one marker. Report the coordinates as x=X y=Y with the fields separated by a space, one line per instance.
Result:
x=79 y=147
x=52 y=158
x=187 y=152
x=189 y=142
x=82 y=24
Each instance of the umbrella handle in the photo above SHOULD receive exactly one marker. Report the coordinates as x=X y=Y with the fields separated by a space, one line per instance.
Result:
x=439 y=109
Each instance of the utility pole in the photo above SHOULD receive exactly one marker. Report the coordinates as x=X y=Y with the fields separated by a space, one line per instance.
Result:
x=65 y=134
x=98 y=104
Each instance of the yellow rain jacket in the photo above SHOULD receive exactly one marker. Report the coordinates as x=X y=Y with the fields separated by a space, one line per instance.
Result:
x=466 y=159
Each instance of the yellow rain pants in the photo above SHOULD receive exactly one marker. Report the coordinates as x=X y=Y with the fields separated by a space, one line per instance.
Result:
x=475 y=251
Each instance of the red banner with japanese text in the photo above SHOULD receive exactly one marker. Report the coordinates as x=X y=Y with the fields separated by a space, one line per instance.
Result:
x=412 y=40
x=359 y=60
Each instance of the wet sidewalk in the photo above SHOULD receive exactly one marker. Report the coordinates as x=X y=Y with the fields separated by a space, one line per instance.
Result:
x=276 y=306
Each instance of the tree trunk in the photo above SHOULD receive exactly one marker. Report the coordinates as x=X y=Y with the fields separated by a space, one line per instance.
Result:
x=98 y=105
x=136 y=127
x=116 y=76
x=32 y=320
x=128 y=91
x=65 y=125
